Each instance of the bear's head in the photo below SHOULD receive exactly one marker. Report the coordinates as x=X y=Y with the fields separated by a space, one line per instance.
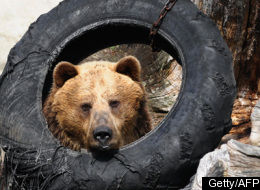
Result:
x=97 y=105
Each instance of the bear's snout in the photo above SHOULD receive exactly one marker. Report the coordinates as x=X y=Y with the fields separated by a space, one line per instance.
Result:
x=103 y=135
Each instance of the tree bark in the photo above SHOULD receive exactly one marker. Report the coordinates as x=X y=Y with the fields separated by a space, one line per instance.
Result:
x=239 y=23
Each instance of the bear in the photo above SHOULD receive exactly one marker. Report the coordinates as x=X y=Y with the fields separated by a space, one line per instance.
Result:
x=98 y=105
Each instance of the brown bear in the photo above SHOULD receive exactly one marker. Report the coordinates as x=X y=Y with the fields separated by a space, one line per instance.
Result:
x=97 y=105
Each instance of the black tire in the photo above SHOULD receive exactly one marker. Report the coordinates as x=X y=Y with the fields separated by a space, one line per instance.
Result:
x=165 y=158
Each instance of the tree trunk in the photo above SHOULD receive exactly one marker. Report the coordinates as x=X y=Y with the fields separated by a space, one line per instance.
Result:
x=239 y=23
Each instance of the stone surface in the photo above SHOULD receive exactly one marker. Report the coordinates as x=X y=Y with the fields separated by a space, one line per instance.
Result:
x=15 y=18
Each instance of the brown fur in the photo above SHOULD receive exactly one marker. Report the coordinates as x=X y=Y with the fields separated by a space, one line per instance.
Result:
x=92 y=94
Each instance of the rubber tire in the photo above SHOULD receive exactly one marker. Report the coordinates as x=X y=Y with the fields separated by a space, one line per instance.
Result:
x=165 y=158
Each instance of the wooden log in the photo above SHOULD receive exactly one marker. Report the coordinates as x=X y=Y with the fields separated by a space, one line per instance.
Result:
x=2 y=156
x=233 y=159
x=255 y=132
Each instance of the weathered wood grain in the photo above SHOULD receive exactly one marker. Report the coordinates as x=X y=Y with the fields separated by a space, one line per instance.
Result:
x=233 y=159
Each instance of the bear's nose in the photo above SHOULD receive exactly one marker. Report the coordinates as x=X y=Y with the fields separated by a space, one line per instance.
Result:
x=102 y=134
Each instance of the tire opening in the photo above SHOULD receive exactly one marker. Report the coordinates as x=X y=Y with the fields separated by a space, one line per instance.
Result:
x=85 y=43
x=161 y=75
x=122 y=39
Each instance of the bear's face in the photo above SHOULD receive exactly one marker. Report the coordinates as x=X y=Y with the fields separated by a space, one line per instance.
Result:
x=97 y=103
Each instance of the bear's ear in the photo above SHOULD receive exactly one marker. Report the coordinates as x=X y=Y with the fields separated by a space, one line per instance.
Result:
x=63 y=72
x=129 y=66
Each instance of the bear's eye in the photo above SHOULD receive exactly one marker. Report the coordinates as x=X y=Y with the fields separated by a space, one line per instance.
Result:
x=86 y=107
x=114 y=103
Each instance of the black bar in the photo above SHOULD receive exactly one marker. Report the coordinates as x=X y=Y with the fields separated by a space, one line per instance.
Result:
x=247 y=183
